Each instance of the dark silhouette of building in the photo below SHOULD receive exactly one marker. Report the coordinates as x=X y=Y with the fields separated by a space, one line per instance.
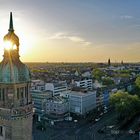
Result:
x=122 y=62
x=109 y=62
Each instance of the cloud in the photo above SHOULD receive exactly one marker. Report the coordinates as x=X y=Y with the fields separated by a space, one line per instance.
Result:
x=61 y=35
x=126 y=17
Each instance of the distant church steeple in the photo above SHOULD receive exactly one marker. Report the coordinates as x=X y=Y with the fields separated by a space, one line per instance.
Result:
x=109 y=62
x=122 y=62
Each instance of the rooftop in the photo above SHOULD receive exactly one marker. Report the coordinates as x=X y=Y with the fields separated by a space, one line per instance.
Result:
x=80 y=93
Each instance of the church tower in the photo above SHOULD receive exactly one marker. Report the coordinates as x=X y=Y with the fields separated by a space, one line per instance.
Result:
x=109 y=62
x=15 y=99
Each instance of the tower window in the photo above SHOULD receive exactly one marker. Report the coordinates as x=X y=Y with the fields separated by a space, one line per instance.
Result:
x=22 y=92
x=3 y=94
x=0 y=95
x=26 y=92
x=17 y=93
x=1 y=131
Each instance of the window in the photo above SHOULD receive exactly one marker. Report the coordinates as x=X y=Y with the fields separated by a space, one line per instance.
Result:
x=25 y=92
x=1 y=131
x=17 y=93
x=22 y=92
x=10 y=92
x=0 y=95
x=3 y=95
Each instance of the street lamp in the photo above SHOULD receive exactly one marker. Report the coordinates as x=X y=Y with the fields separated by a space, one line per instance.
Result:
x=34 y=110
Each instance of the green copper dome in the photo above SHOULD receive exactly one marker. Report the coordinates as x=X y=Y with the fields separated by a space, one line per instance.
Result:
x=14 y=72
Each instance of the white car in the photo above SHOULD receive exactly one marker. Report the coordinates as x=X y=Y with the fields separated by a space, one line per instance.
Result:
x=105 y=111
x=75 y=121
x=105 y=107
x=111 y=126
x=96 y=120
x=101 y=114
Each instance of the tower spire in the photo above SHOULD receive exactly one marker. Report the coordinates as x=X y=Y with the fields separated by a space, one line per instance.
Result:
x=11 y=29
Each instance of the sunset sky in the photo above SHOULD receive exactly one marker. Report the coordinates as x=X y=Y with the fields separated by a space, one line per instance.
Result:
x=74 y=30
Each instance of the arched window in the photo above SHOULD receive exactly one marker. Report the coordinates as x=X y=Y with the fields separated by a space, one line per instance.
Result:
x=0 y=94
x=3 y=94
x=22 y=92
x=18 y=96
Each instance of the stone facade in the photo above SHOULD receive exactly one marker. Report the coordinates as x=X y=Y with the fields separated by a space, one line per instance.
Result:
x=16 y=128
x=15 y=112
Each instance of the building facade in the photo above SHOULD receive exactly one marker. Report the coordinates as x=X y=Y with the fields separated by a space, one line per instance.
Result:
x=15 y=101
x=57 y=88
x=38 y=85
x=57 y=107
x=82 y=102
x=39 y=98
x=87 y=84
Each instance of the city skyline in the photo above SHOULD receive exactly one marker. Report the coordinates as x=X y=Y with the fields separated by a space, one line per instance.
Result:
x=74 y=31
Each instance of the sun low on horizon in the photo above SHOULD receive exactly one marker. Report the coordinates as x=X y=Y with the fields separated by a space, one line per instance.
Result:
x=26 y=39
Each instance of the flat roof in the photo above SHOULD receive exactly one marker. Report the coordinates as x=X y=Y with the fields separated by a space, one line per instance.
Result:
x=79 y=93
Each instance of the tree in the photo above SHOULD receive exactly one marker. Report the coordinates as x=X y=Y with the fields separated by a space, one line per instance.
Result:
x=97 y=73
x=137 y=82
x=136 y=89
x=123 y=73
x=126 y=105
x=107 y=81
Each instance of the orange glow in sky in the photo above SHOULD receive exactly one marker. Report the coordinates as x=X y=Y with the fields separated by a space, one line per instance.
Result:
x=74 y=31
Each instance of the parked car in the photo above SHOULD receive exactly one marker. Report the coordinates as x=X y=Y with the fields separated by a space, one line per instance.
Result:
x=110 y=126
x=105 y=111
x=75 y=121
x=101 y=114
x=97 y=119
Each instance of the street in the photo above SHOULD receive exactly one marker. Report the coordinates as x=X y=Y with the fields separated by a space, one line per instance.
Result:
x=89 y=131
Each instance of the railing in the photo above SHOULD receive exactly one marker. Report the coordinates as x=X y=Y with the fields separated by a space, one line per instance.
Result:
x=14 y=112
x=5 y=112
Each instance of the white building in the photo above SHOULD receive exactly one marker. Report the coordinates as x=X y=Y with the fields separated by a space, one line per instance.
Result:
x=38 y=85
x=97 y=85
x=57 y=88
x=82 y=102
x=87 y=83
x=86 y=74
x=57 y=107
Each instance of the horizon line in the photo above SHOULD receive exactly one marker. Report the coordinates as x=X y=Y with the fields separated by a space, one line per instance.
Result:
x=113 y=62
